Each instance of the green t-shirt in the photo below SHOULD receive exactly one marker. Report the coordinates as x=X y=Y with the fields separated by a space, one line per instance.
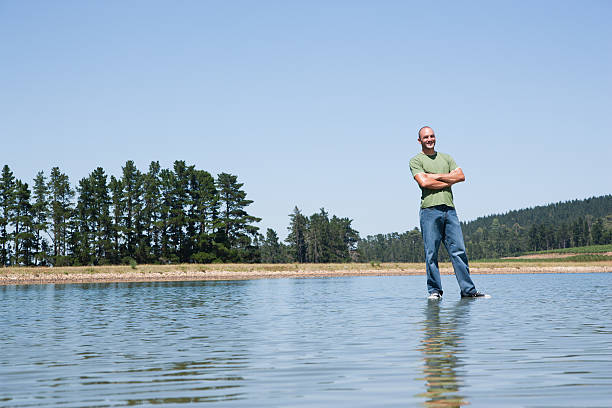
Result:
x=438 y=163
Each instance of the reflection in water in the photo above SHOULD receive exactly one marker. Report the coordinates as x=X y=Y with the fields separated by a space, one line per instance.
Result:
x=441 y=348
x=124 y=344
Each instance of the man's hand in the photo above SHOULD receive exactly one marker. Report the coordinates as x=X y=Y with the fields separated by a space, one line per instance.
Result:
x=440 y=181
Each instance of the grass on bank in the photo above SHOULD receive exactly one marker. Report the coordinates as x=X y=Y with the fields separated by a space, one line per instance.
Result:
x=593 y=249
x=575 y=258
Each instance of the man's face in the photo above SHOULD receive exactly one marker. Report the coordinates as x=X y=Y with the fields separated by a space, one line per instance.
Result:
x=427 y=138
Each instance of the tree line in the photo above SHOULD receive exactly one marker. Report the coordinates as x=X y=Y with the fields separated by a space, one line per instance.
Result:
x=183 y=214
x=176 y=215
x=159 y=216
x=315 y=239
x=554 y=226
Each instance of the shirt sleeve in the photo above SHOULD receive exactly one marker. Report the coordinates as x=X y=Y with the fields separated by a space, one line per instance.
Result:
x=451 y=163
x=416 y=166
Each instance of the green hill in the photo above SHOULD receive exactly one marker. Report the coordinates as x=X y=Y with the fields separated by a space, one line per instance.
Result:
x=559 y=225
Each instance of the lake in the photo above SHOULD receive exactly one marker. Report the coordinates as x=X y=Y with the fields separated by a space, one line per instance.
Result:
x=540 y=341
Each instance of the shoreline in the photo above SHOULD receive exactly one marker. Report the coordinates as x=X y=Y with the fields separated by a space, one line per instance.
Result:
x=219 y=272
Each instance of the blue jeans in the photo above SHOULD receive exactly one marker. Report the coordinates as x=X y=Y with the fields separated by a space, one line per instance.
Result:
x=440 y=224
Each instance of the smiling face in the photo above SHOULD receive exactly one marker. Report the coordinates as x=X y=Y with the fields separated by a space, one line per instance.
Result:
x=427 y=139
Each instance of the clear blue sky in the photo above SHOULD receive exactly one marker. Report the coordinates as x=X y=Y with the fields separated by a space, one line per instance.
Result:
x=316 y=104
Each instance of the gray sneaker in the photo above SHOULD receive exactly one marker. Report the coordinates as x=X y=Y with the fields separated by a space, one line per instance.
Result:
x=476 y=295
x=434 y=296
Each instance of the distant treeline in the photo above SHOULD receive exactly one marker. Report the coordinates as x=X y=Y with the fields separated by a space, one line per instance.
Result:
x=160 y=216
x=554 y=226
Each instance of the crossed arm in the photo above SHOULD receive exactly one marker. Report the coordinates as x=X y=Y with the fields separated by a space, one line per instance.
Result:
x=440 y=181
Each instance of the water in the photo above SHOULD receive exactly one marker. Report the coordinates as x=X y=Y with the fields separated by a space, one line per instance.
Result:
x=541 y=341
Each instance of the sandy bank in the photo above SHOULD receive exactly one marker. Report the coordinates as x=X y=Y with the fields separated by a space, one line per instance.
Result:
x=154 y=273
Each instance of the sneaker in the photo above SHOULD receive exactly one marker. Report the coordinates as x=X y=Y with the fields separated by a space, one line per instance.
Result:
x=476 y=295
x=434 y=296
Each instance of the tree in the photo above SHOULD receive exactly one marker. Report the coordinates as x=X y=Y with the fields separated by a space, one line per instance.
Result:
x=117 y=204
x=166 y=185
x=94 y=222
x=40 y=218
x=179 y=207
x=296 y=239
x=100 y=216
x=7 y=205
x=271 y=249
x=132 y=205
x=203 y=215
x=598 y=232
x=344 y=238
x=151 y=212
x=61 y=195
x=235 y=224
x=318 y=238
x=84 y=228
x=23 y=225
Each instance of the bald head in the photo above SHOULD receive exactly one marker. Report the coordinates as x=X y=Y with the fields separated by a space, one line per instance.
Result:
x=425 y=128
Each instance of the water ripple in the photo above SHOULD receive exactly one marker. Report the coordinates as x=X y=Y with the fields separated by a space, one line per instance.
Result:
x=345 y=342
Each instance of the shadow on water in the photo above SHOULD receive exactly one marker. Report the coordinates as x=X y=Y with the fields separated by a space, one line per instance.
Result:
x=442 y=349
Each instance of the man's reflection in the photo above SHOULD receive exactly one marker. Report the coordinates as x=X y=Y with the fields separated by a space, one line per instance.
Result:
x=442 y=348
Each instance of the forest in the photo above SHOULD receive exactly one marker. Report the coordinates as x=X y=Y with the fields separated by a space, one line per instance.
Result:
x=554 y=226
x=185 y=215
x=159 y=216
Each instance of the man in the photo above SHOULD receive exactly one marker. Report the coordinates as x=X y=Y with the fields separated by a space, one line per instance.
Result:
x=435 y=173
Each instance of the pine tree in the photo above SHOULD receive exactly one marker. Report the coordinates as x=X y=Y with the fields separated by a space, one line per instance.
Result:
x=94 y=225
x=7 y=205
x=343 y=240
x=586 y=232
x=116 y=191
x=296 y=239
x=22 y=223
x=40 y=217
x=101 y=217
x=203 y=215
x=166 y=186
x=132 y=205
x=235 y=224
x=151 y=212
x=271 y=249
x=578 y=233
x=597 y=232
x=61 y=195
x=179 y=207
x=318 y=238
x=84 y=224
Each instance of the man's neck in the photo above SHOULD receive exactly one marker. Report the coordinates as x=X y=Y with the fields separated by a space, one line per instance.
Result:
x=429 y=152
